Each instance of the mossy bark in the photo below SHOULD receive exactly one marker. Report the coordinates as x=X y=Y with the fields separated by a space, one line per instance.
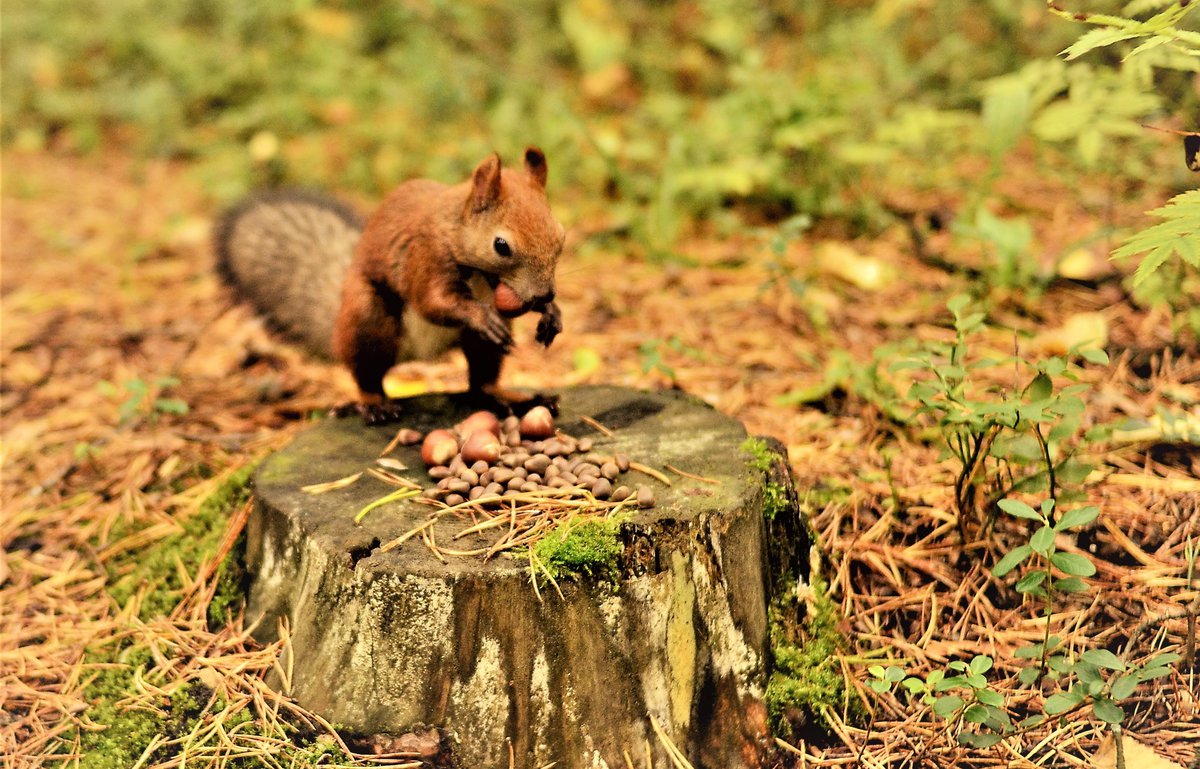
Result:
x=383 y=641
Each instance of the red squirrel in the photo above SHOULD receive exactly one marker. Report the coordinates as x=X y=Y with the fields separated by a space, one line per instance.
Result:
x=436 y=266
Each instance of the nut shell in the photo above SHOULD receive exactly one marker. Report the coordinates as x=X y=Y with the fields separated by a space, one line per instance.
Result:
x=480 y=420
x=482 y=446
x=438 y=448
x=537 y=424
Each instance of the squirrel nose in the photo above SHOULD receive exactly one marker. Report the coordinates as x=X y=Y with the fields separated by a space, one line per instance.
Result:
x=544 y=299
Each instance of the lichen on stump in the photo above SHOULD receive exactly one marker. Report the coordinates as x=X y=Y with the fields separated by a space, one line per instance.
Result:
x=384 y=640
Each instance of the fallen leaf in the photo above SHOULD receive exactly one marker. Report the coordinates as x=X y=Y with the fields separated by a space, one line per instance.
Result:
x=1083 y=330
x=1137 y=756
x=1083 y=264
x=842 y=261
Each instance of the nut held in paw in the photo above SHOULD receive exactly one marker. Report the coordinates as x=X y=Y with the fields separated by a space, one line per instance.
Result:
x=507 y=301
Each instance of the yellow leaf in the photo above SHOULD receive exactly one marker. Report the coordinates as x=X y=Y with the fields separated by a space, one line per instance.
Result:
x=842 y=261
x=1079 y=331
x=397 y=388
x=1083 y=264
x=1136 y=755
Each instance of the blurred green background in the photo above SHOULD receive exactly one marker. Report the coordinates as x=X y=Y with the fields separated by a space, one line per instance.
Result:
x=658 y=118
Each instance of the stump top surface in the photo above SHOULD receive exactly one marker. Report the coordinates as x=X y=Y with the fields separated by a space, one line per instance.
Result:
x=655 y=428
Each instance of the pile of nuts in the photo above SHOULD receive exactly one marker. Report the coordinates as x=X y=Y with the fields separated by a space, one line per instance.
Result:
x=484 y=457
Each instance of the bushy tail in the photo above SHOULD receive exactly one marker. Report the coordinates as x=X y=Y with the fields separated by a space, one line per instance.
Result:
x=287 y=253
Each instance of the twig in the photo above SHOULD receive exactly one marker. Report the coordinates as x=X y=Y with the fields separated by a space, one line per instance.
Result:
x=593 y=423
x=650 y=471
x=686 y=474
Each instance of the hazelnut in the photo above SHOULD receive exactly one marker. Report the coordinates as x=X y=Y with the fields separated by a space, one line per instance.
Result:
x=538 y=423
x=438 y=448
x=483 y=446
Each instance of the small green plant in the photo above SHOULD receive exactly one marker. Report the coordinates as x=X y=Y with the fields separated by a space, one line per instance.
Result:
x=1085 y=677
x=976 y=703
x=652 y=354
x=145 y=400
x=1177 y=235
x=1041 y=581
x=1160 y=41
x=1004 y=440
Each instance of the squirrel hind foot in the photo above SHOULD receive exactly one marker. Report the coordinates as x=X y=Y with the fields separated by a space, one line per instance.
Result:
x=378 y=413
x=506 y=402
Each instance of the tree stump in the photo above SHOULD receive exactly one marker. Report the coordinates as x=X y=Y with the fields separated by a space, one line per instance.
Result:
x=383 y=641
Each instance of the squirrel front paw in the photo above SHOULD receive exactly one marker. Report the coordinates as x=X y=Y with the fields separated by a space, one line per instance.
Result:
x=550 y=324
x=495 y=329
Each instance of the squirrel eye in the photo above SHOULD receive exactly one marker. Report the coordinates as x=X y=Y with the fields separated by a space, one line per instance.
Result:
x=502 y=247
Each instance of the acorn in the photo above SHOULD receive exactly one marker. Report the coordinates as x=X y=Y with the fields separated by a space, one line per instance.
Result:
x=482 y=445
x=480 y=420
x=438 y=448
x=537 y=424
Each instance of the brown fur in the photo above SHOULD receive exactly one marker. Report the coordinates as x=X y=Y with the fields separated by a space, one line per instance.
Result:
x=427 y=256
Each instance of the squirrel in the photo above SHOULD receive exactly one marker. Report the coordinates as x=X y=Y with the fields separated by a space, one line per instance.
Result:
x=436 y=266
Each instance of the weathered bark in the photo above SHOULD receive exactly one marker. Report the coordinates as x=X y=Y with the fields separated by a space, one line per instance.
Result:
x=383 y=641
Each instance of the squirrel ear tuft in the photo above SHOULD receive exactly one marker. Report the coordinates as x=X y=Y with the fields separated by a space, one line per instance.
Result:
x=535 y=164
x=485 y=183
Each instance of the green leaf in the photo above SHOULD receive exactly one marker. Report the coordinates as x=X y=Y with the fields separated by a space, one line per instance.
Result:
x=1124 y=686
x=947 y=706
x=1074 y=565
x=1029 y=675
x=170 y=406
x=1040 y=388
x=1006 y=109
x=1062 y=702
x=974 y=740
x=975 y=714
x=1070 y=585
x=1180 y=225
x=981 y=663
x=958 y=303
x=1031 y=581
x=989 y=697
x=1108 y=711
x=894 y=674
x=1019 y=509
x=1011 y=560
x=1042 y=540
x=879 y=687
x=1093 y=355
x=1096 y=38
x=1073 y=519
x=1103 y=658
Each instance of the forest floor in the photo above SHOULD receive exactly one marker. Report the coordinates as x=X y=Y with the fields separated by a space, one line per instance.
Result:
x=110 y=302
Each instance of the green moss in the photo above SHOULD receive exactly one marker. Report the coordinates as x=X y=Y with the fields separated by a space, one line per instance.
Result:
x=590 y=548
x=157 y=566
x=762 y=458
x=807 y=675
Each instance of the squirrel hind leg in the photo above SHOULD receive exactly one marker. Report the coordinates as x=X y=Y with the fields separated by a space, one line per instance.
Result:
x=484 y=361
